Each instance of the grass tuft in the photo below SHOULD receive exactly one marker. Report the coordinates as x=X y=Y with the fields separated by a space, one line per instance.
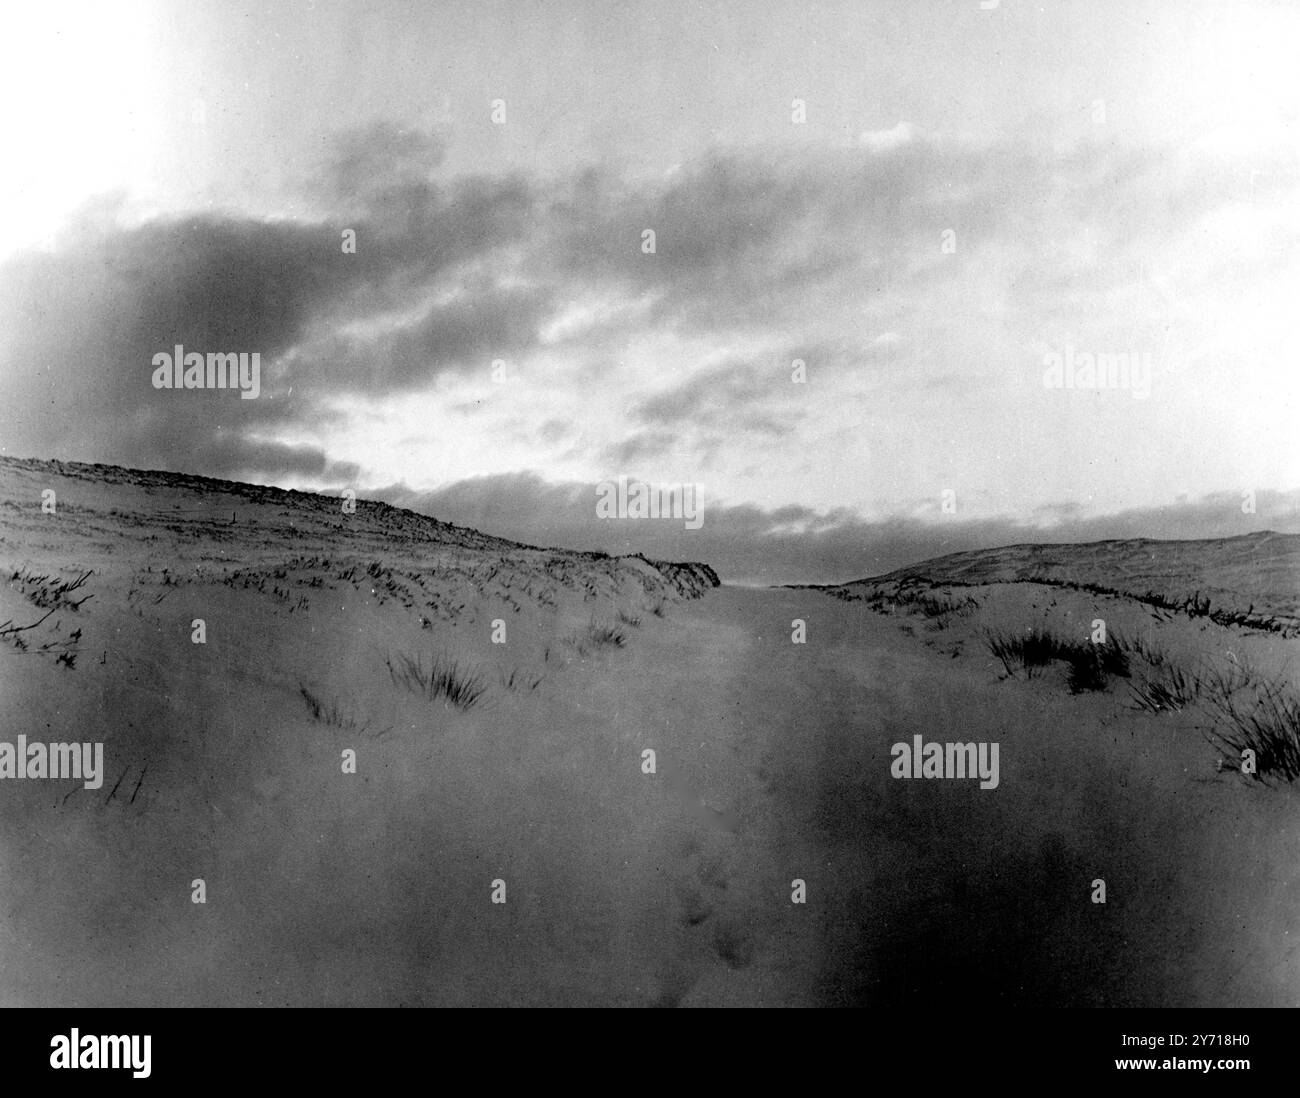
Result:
x=1169 y=690
x=330 y=713
x=444 y=678
x=1264 y=719
x=1090 y=666
x=514 y=679
x=596 y=636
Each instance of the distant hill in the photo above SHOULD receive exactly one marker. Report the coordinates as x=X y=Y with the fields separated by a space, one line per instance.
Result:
x=1252 y=579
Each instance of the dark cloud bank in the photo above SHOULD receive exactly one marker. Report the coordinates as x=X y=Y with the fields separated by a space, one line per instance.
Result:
x=796 y=545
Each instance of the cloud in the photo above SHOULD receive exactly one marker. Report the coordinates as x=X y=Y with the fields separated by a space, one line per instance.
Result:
x=730 y=394
x=372 y=163
x=81 y=328
x=81 y=325
x=883 y=141
x=832 y=255
x=482 y=321
x=643 y=444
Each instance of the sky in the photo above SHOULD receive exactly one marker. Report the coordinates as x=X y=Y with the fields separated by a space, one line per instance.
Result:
x=874 y=226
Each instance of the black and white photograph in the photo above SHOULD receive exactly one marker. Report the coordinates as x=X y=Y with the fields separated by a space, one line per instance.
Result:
x=650 y=504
